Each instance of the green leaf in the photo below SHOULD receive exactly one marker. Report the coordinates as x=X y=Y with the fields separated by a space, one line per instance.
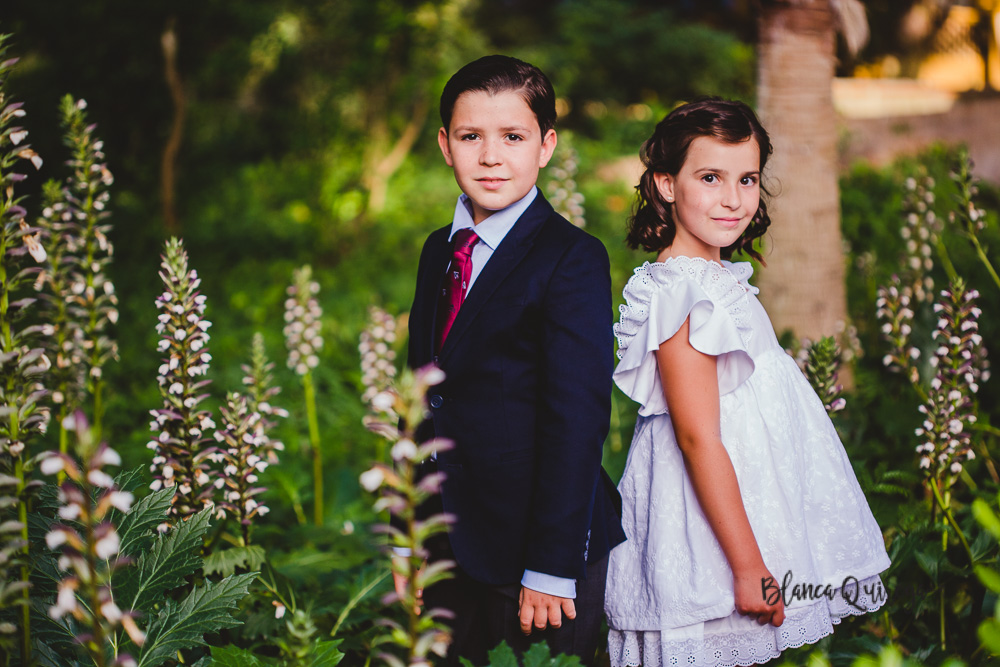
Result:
x=225 y=562
x=929 y=563
x=986 y=517
x=137 y=529
x=540 y=656
x=165 y=565
x=183 y=625
x=325 y=654
x=503 y=656
x=989 y=577
x=232 y=656
x=989 y=635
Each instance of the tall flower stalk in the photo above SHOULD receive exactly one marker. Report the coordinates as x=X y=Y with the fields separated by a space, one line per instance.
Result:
x=22 y=359
x=68 y=374
x=821 y=368
x=969 y=218
x=242 y=452
x=182 y=430
x=948 y=408
x=92 y=303
x=921 y=234
x=302 y=337
x=564 y=196
x=401 y=491
x=260 y=392
x=88 y=544
x=378 y=360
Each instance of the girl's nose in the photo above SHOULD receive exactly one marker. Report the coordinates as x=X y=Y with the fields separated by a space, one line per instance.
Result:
x=731 y=196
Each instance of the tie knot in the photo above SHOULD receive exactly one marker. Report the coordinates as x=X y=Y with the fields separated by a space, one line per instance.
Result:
x=464 y=240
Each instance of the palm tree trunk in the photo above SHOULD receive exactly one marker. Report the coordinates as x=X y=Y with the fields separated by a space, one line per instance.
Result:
x=803 y=285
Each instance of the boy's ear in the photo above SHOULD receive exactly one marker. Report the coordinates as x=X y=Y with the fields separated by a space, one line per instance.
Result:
x=443 y=143
x=549 y=142
x=665 y=185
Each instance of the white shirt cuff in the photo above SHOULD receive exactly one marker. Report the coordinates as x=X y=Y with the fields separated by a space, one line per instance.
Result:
x=549 y=584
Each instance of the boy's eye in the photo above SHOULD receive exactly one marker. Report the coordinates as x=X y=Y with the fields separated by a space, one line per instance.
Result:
x=514 y=137
x=471 y=136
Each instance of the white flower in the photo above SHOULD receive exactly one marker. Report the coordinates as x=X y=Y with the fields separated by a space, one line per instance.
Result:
x=372 y=479
x=121 y=500
x=111 y=611
x=69 y=512
x=279 y=609
x=383 y=401
x=65 y=602
x=100 y=478
x=107 y=546
x=108 y=457
x=404 y=449
x=55 y=539
x=52 y=464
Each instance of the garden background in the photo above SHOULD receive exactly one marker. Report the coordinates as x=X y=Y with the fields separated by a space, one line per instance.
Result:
x=272 y=136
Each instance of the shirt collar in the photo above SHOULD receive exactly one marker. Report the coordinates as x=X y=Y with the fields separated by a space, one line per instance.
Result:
x=493 y=229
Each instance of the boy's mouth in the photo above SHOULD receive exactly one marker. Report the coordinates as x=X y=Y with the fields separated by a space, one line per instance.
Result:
x=491 y=183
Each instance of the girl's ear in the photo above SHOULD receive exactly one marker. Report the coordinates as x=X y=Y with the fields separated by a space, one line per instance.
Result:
x=665 y=186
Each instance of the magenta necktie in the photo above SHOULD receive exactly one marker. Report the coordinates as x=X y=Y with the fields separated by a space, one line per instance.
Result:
x=456 y=282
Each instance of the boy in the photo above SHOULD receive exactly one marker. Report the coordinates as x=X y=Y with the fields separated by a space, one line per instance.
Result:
x=513 y=303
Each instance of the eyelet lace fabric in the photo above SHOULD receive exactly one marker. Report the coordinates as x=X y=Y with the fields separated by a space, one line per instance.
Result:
x=726 y=284
x=752 y=644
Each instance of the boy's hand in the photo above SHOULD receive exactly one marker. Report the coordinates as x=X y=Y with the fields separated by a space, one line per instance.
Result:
x=541 y=610
x=400 y=583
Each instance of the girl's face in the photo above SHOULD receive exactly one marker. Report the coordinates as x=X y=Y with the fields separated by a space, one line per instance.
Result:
x=713 y=197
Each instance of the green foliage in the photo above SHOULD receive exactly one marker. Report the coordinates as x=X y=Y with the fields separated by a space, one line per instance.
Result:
x=166 y=565
x=538 y=655
x=183 y=625
x=227 y=561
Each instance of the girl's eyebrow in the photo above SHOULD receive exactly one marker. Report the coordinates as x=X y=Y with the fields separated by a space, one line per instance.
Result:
x=714 y=170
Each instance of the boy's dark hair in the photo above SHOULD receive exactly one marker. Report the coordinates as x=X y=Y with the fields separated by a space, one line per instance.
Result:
x=496 y=74
x=651 y=224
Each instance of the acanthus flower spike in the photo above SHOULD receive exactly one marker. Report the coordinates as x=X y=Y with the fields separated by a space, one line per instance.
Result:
x=182 y=431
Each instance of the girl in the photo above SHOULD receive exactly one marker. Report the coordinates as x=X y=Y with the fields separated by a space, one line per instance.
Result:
x=747 y=530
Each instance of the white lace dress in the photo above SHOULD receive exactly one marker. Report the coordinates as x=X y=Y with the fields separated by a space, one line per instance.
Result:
x=670 y=590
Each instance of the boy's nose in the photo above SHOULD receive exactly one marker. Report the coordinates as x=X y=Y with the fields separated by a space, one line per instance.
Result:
x=489 y=156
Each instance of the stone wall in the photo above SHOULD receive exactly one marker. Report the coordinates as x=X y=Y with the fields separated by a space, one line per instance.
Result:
x=973 y=120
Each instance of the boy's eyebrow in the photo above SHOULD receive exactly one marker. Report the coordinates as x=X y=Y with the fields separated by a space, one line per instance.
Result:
x=475 y=128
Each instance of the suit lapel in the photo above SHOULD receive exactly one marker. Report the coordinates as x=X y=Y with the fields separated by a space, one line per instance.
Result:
x=508 y=255
x=438 y=258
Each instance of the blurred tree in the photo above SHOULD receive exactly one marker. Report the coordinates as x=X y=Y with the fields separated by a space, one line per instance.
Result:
x=803 y=287
x=610 y=52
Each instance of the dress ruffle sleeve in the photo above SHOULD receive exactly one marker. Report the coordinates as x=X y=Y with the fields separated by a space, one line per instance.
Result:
x=659 y=297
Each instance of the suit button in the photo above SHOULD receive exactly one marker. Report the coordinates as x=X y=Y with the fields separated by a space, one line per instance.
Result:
x=437 y=401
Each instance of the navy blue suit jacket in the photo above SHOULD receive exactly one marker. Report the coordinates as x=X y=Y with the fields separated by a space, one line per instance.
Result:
x=526 y=400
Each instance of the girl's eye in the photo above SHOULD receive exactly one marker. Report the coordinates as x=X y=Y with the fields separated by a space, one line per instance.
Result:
x=748 y=180
x=710 y=178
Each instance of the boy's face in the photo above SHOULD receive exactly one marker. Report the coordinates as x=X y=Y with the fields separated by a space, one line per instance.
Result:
x=496 y=148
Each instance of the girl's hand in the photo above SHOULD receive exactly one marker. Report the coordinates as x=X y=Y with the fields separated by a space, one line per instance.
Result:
x=750 y=598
